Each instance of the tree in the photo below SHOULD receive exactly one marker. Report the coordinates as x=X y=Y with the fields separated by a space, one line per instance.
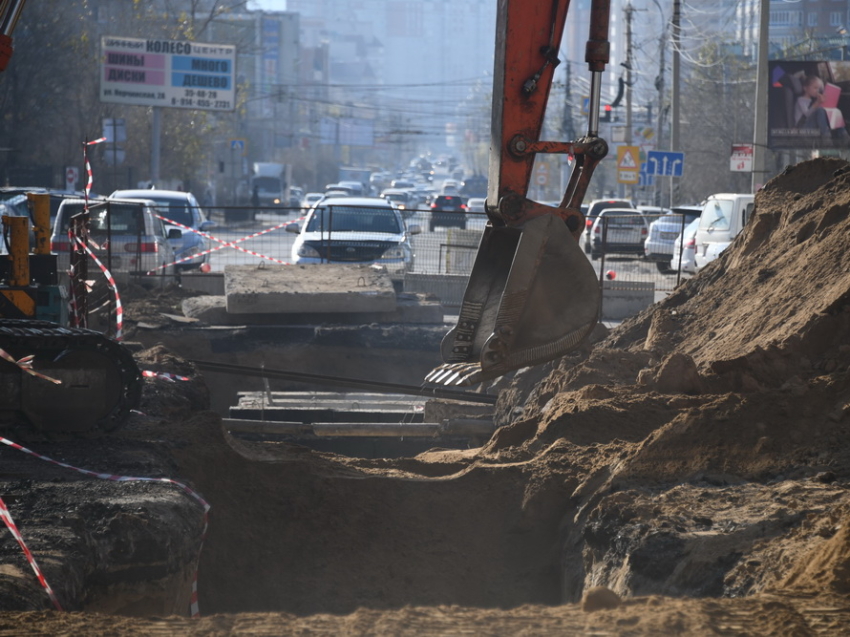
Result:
x=718 y=92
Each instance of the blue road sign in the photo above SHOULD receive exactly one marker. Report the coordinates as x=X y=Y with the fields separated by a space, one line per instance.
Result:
x=665 y=163
x=645 y=179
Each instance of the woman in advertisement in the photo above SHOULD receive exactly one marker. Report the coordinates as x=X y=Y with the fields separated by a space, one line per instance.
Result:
x=810 y=111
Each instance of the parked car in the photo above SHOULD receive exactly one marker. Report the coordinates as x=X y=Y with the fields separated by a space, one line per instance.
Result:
x=182 y=207
x=593 y=209
x=14 y=202
x=618 y=230
x=685 y=246
x=475 y=204
x=652 y=212
x=723 y=216
x=663 y=232
x=448 y=210
x=361 y=230
x=128 y=238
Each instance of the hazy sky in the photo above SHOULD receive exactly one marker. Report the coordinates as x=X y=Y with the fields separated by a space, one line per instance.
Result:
x=269 y=5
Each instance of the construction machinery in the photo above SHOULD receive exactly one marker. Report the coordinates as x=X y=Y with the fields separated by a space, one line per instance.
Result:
x=532 y=295
x=54 y=378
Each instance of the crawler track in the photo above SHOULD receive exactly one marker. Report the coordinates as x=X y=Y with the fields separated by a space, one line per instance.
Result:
x=100 y=381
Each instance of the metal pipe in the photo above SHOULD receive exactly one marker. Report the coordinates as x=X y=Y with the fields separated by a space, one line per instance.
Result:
x=11 y=11
x=356 y=383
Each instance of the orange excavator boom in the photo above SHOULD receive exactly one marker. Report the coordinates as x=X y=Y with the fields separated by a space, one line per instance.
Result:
x=10 y=11
x=532 y=295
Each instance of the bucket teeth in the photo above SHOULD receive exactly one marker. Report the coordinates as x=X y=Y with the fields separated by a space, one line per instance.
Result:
x=532 y=296
x=454 y=375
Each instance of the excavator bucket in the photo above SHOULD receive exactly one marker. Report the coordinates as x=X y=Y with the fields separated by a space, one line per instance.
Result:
x=532 y=296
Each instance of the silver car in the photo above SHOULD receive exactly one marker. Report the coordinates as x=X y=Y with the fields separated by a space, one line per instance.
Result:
x=125 y=235
x=618 y=230
x=663 y=232
x=183 y=208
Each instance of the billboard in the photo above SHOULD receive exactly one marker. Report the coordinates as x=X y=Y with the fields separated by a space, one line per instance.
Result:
x=808 y=104
x=175 y=73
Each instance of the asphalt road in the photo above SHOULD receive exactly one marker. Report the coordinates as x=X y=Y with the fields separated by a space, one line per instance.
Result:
x=274 y=246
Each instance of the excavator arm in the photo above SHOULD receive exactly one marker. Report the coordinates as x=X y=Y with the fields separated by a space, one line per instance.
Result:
x=10 y=11
x=532 y=295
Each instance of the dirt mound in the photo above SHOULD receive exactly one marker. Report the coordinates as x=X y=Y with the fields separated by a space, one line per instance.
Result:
x=699 y=452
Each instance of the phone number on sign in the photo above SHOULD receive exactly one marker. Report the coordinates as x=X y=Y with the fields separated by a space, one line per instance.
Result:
x=200 y=99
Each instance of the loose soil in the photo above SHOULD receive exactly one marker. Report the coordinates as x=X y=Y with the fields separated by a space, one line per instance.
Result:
x=686 y=473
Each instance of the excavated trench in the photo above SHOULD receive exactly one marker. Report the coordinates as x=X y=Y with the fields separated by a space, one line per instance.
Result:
x=699 y=452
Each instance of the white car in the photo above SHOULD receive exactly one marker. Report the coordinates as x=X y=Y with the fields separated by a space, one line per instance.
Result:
x=311 y=198
x=475 y=204
x=355 y=230
x=685 y=245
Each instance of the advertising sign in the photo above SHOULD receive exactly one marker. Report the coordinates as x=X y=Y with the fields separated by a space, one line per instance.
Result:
x=808 y=104
x=179 y=74
x=741 y=160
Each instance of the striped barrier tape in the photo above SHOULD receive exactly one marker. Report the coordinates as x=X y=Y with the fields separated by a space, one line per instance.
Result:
x=163 y=375
x=194 y=607
x=25 y=364
x=89 y=174
x=224 y=244
x=13 y=528
x=110 y=280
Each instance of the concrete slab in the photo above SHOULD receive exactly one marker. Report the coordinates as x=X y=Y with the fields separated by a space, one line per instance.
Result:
x=449 y=288
x=622 y=299
x=320 y=288
x=410 y=309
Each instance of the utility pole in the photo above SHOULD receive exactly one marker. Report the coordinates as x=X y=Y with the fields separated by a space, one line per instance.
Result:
x=677 y=43
x=760 y=128
x=659 y=86
x=629 y=12
x=567 y=128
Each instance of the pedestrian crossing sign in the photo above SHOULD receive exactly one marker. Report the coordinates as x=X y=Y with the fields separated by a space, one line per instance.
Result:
x=628 y=164
x=627 y=157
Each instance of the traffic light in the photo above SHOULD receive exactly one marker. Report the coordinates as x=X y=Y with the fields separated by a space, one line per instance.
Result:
x=605 y=116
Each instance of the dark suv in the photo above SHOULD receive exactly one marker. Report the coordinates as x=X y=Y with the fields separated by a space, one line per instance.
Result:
x=448 y=210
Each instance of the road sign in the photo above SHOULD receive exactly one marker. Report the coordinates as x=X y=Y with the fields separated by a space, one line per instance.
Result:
x=72 y=175
x=645 y=180
x=742 y=158
x=238 y=146
x=665 y=163
x=628 y=164
x=542 y=175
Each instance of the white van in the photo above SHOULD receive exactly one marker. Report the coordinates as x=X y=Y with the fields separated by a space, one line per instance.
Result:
x=723 y=216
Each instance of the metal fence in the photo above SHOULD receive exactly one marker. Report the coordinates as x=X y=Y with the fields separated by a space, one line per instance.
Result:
x=442 y=258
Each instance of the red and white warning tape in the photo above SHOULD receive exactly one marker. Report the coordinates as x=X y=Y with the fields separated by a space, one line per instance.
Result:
x=163 y=375
x=25 y=364
x=224 y=244
x=89 y=174
x=194 y=608
x=10 y=524
x=119 y=309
